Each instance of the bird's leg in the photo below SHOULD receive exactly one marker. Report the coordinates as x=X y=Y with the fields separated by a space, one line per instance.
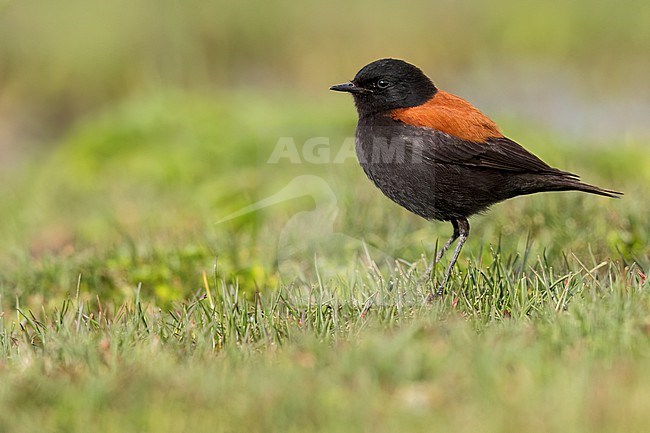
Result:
x=463 y=233
x=451 y=240
x=445 y=247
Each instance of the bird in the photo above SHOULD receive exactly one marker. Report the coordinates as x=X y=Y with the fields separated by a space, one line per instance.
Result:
x=438 y=156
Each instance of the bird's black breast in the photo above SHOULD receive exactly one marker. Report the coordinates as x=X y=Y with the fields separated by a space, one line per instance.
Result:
x=387 y=156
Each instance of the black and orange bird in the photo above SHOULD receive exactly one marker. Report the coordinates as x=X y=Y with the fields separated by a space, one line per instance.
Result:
x=437 y=155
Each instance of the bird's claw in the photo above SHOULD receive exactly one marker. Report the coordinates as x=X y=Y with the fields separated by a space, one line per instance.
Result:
x=434 y=296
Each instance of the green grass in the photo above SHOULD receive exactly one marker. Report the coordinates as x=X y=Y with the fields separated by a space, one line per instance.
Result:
x=124 y=306
x=551 y=353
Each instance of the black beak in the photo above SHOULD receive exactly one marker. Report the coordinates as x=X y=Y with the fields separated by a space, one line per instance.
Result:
x=349 y=87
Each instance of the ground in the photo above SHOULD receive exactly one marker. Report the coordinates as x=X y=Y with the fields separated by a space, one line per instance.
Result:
x=128 y=306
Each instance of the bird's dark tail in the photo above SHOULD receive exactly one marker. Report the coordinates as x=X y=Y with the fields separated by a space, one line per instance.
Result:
x=585 y=187
x=571 y=182
x=559 y=181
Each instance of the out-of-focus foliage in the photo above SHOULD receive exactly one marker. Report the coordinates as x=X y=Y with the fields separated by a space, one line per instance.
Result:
x=59 y=59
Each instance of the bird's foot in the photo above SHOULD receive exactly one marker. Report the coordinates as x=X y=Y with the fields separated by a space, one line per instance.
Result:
x=428 y=274
x=435 y=296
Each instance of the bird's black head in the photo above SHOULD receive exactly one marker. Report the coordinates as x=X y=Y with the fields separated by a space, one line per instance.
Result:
x=388 y=84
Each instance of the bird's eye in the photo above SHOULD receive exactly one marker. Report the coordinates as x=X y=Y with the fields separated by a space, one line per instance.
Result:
x=382 y=84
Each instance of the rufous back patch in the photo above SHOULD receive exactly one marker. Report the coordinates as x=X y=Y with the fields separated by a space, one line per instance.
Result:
x=452 y=115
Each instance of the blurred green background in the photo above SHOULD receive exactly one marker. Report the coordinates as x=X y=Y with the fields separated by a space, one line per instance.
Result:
x=66 y=59
x=128 y=128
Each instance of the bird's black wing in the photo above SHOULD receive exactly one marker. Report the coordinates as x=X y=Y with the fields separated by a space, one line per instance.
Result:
x=496 y=153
